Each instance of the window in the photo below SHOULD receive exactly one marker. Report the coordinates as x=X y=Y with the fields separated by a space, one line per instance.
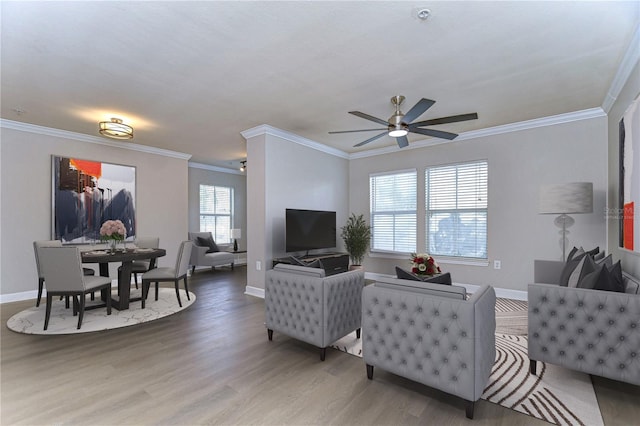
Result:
x=456 y=210
x=216 y=212
x=393 y=211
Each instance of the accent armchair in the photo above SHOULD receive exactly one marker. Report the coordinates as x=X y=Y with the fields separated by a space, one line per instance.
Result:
x=200 y=257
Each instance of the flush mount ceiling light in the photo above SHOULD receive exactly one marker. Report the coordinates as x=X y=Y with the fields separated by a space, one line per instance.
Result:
x=424 y=14
x=116 y=129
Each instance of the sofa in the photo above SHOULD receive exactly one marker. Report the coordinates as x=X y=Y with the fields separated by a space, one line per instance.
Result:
x=303 y=303
x=432 y=334
x=592 y=331
x=200 y=257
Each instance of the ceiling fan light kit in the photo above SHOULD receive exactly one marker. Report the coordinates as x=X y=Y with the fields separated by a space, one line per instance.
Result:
x=116 y=129
x=399 y=124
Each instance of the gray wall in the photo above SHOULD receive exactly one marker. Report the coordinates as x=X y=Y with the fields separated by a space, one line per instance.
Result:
x=200 y=174
x=161 y=199
x=285 y=174
x=630 y=260
x=519 y=163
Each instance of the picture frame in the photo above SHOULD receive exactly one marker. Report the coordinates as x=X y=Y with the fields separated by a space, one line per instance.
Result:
x=85 y=194
x=629 y=186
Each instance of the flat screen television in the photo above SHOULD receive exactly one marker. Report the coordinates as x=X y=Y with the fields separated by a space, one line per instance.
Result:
x=309 y=230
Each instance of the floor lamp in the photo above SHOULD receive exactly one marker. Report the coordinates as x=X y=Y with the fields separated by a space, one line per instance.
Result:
x=565 y=199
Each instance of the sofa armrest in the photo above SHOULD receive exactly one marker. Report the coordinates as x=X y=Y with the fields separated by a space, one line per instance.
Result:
x=197 y=255
x=593 y=331
x=547 y=271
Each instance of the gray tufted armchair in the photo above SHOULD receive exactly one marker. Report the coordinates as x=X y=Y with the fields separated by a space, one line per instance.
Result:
x=304 y=304
x=430 y=334
x=592 y=331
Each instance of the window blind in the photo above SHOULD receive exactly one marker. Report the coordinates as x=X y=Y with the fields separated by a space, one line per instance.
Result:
x=393 y=211
x=216 y=212
x=456 y=210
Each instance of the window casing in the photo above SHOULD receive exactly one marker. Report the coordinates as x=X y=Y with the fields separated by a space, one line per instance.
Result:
x=456 y=210
x=216 y=212
x=393 y=205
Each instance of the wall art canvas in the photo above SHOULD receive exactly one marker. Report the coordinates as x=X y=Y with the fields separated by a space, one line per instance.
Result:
x=86 y=193
x=629 y=208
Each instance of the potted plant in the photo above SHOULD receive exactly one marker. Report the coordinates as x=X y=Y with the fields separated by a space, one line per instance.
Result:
x=356 y=235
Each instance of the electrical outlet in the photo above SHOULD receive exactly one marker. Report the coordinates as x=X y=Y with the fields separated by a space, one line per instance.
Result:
x=258 y=265
x=497 y=264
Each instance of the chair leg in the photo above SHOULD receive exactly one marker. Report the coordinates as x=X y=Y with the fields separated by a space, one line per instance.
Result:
x=75 y=305
x=40 y=287
x=48 y=311
x=135 y=278
x=108 y=302
x=157 y=285
x=369 y=372
x=186 y=287
x=193 y=269
x=93 y=296
x=270 y=334
x=66 y=302
x=81 y=310
x=532 y=366
x=232 y=266
x=358 y=333
x=323 y=353
x=178 y=292
x=469 y=405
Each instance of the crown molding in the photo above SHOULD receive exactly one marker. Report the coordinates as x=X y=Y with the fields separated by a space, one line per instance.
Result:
x=65 y=134
x=629 y=61
x=211 y=168
x=283 y=134
x=491 y=131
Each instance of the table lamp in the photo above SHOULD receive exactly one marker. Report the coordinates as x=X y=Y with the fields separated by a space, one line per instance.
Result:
x=565 y=198
x=235 y=234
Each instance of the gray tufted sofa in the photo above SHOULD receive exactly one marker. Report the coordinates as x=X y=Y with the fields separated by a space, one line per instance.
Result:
x=304 y=304
x=593 y=331
x=430 y=334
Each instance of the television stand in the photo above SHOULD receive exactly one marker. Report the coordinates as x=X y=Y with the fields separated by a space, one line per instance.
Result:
x=333 y=263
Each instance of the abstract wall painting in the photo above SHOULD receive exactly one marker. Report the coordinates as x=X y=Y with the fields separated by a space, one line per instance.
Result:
x=629 y=208
x=87 y=193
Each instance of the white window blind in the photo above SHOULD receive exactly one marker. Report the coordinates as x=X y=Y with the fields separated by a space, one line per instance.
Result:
x=456 y=210
x=393 y=211
x=216 y=212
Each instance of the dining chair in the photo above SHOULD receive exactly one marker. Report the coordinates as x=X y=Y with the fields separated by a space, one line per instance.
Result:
x=62 y=270
x=175 y=274
x=51 y=243
x=142 y=266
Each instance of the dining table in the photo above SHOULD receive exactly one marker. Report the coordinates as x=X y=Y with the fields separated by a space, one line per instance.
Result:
x=126 y=257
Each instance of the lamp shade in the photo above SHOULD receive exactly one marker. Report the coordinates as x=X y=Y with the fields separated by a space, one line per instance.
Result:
x=576 y=197
x=236 y=233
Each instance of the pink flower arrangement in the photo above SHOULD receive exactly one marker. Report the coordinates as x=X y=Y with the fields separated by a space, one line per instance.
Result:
x=113 y=230
x=424 y=264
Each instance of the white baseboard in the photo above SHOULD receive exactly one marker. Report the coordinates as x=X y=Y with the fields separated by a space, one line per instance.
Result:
x=18 y=297
x=254 y=291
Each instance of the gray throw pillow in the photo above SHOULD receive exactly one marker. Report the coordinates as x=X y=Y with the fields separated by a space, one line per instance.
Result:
x=607 y=261
x=406 y=275
x=569 y=267
x=208 y=242
x=584 y=267
x=444 y=279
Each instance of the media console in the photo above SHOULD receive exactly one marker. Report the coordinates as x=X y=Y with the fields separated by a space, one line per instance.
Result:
x=333 y=263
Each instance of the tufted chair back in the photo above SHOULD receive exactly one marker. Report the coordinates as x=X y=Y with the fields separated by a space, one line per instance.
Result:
x=304 y=304
x=441 y=341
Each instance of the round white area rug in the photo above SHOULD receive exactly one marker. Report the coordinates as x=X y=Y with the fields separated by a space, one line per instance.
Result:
x=62 y=321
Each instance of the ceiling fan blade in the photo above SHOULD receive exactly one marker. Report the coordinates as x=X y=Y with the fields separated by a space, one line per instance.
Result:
x=370 y=139
x=435 y=133
x=444 y=120
x=353 y=131
x=418 y=109
x=369 y=117
x=402 y=141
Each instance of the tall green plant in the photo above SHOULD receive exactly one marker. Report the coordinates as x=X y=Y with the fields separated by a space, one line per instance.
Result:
x=356 y=235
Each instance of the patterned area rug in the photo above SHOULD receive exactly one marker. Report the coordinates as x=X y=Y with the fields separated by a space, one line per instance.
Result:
x=62 y=321
x=557 y=395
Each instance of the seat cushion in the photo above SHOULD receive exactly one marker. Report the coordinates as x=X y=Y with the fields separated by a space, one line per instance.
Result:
x=160 y=274
x=95 y=281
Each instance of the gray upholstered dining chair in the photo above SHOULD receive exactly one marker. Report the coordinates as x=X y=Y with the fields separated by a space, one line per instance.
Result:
x=175 y=274
x=62 y=270
x=142 y=266
x=51 y=243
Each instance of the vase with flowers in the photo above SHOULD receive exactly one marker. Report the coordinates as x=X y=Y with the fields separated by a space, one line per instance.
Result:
x=113 y=231
x=424 y=264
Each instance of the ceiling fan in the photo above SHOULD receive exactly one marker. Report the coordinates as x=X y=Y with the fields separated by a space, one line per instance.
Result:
x=399 y=124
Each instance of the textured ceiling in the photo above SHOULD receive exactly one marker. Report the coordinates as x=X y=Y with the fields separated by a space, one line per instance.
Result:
x=190 y=76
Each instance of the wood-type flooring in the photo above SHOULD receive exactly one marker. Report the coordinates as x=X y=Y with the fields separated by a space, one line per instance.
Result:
x=213 y=364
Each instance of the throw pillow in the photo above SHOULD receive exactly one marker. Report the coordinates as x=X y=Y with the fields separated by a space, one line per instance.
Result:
x=572 y=252
x=616 y=277
x=570 y=266
x=208 y=242
x=444 y=279
x=594 y=251
x=592 y=278
x=585 y=266
x=406 y=275
x=607 y=261
x=602 y=279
